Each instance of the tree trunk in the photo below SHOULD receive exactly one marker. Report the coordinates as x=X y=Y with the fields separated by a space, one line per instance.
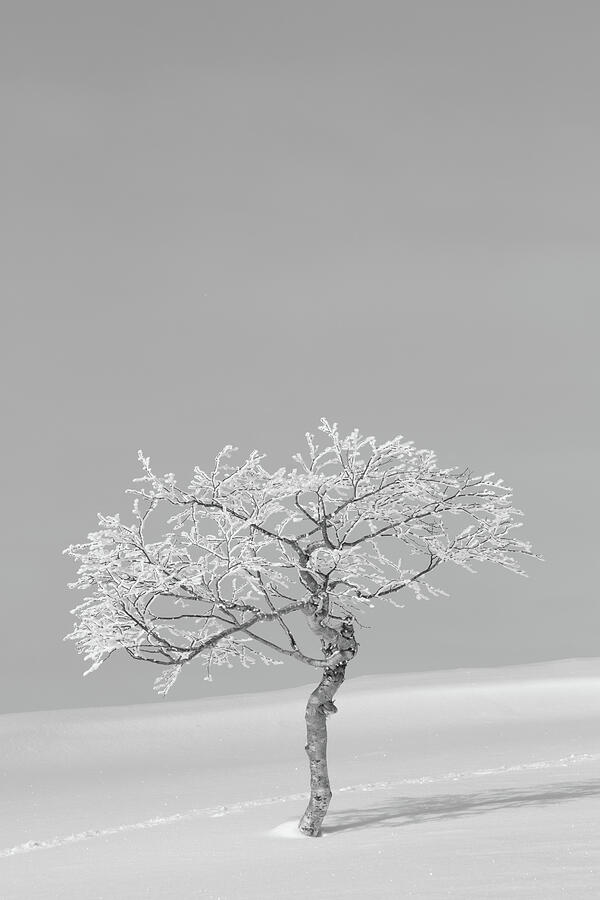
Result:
x=340 y=646
x=320 y=705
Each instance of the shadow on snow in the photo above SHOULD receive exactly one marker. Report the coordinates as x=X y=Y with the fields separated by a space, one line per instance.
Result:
x=413 y=811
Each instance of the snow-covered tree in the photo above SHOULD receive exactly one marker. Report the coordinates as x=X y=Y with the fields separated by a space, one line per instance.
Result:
x=246 y=550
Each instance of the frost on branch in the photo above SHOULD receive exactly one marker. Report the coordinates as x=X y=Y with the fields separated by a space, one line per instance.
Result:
x=163 y=683
x=218 y=571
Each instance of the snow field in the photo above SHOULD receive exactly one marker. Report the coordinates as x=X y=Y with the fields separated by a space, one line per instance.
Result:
x=465 y=784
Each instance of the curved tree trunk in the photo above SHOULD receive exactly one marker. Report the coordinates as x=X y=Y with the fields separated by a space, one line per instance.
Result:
x=320 y=705
x=341 y=646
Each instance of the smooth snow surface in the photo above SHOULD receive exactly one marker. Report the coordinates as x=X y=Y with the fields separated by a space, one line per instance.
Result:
x=468 y=784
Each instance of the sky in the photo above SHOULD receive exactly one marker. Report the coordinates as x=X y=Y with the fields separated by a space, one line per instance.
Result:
x=221 y=221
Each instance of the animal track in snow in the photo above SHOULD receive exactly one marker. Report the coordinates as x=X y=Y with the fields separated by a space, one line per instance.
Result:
x=218 y=811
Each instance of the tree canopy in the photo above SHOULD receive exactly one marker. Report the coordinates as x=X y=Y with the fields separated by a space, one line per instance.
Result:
x=352 y=524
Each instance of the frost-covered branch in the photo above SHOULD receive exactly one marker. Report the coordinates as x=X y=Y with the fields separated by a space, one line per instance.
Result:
x=353 y=523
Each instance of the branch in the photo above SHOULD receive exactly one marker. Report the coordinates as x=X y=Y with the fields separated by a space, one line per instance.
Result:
x=232 y=512
x=323 y=525
x=302 y=510
x=392 y=589
x=261 y=617
x=297 y=654
x=265 y=594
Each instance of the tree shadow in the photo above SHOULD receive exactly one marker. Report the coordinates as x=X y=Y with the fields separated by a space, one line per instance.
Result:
x=414 y=810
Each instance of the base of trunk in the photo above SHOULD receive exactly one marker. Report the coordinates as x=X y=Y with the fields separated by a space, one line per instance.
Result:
x=311 y=822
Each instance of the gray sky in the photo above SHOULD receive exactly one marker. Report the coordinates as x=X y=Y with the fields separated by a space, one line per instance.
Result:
x=221 y=221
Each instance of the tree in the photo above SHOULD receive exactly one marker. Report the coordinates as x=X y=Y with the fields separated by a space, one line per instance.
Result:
x=248 y=550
